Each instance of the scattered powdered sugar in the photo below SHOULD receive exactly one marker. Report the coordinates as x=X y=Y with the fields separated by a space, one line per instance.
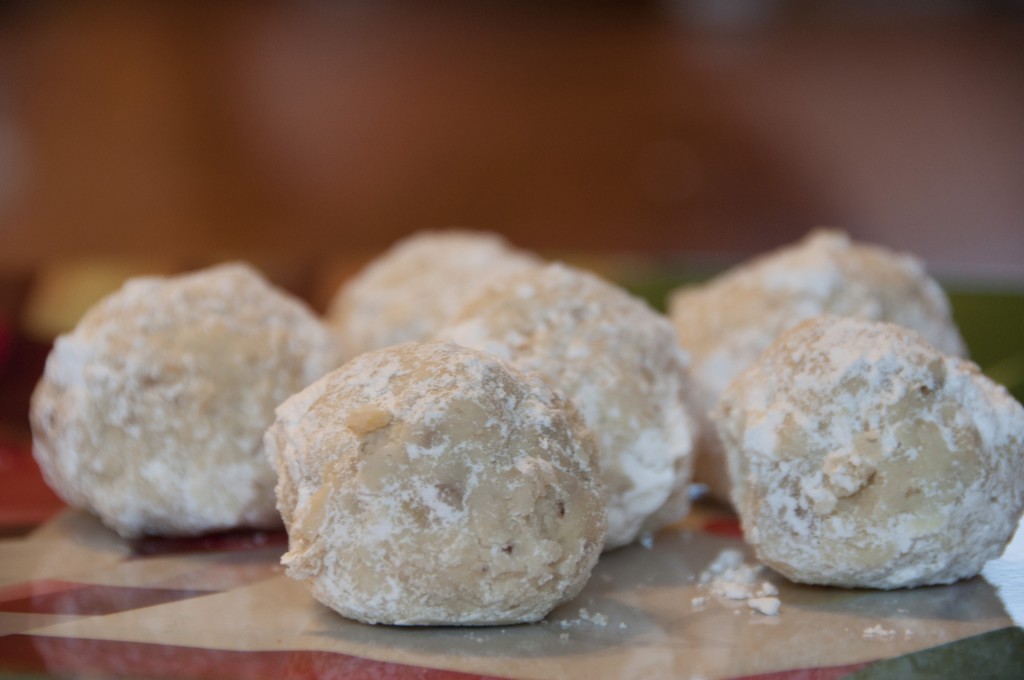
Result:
x=725 y=560
x=585 y=618
x=769 y=606
x=725 y=586
x=729 y=578
x=597 y=618
x=878 y=632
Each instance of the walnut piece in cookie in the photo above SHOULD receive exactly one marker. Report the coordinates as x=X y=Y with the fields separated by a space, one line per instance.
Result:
x=727 y=322
x=861 y=456
x=151 y=413
x=432 y=484
x=619 y=362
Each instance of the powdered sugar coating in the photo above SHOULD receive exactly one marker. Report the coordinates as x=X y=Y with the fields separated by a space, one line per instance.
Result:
x=432 y=484
x=619 y=362
x=862 y=456
x=726 y=323
x=151 y=412
x=417 y=286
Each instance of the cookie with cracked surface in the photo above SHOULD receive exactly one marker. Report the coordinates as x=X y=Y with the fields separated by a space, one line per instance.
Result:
x=861 y=456
x=727 y=322
x=432 y=484
x=151 y=412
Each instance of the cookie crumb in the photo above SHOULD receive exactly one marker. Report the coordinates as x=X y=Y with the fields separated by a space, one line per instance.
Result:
x=769 y=606
x=728 y=577
x=597 y=619
x=878 y=632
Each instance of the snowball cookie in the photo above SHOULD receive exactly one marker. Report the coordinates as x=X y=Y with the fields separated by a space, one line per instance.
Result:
x=432 y=484
x=151 y=412
x=863 y=457
x=417 y=286
x=726 y=323
x=619 y=361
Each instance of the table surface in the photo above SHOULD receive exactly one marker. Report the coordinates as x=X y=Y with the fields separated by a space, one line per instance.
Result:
x=78 y=601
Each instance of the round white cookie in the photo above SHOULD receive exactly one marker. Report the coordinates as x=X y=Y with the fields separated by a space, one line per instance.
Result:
x=863 y=457
x=417 y=286
x=433 y=484
x=619 y=362
x=150 y=414
x=727 y=322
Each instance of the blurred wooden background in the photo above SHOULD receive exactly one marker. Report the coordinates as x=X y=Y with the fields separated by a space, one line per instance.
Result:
x=305 y=136
x=306 y=132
